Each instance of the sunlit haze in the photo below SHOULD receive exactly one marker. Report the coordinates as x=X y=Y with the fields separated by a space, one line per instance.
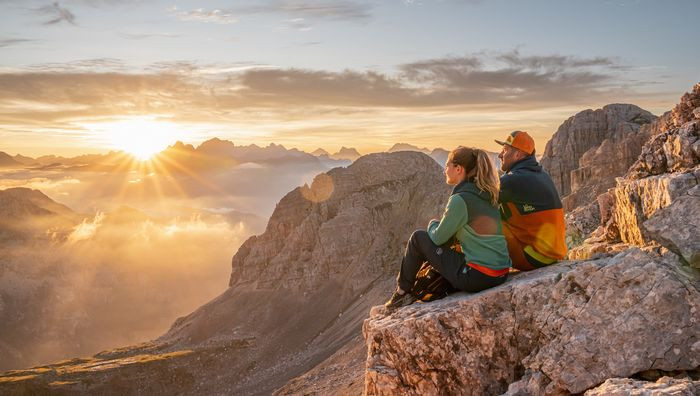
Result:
x=140 y=137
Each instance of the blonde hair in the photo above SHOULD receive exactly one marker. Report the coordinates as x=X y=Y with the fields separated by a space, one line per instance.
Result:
x=477 y=162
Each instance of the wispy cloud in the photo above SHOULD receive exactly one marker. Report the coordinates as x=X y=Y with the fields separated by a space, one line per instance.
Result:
x=297 y=24
x=298 y=13
x=339 y=10
x=14 y=41
x=143 y=36
x=56 y=14
x=83 y=65
x=202 y=15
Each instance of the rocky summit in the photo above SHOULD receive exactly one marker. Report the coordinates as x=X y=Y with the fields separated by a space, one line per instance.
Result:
x=550 y=331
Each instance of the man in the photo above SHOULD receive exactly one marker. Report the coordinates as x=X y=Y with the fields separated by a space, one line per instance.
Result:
x=531 y=211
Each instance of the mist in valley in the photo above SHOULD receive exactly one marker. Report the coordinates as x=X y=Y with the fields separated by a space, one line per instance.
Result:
x=131 y=251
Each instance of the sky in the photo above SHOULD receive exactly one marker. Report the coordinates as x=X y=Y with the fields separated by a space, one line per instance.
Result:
x=81 y=76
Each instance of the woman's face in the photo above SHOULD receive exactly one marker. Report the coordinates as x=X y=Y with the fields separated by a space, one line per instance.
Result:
x=453 y=173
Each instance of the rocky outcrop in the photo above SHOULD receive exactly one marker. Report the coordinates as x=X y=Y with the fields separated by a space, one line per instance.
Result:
x=668 y=167
x=298 y=295
x=580 y=223
x=593 y=147
x=638 y=200
x=351 y=223
x=631 y=387
x=548 y=332
x=682 y=238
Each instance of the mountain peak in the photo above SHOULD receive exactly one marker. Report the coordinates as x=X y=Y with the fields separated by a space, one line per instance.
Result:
x=346 y=153
x=6 y=161
x=407 y=147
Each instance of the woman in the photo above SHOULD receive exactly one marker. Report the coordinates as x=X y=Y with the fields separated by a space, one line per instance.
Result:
x=473 y=219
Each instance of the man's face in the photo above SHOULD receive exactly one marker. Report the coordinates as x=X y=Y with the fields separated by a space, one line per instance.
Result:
x=508 y=156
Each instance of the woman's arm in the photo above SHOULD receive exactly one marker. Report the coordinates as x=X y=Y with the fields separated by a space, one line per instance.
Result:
x=455 y=216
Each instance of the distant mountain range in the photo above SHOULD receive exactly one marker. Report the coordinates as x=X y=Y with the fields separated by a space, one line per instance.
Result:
x=210 y=155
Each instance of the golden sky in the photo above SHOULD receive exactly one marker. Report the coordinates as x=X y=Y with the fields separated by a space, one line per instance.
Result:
x=89 y=76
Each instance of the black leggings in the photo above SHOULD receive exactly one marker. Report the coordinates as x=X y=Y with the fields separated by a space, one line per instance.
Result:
x=449 y=263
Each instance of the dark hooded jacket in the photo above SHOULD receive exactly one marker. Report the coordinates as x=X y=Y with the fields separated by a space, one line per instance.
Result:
x=531 y=208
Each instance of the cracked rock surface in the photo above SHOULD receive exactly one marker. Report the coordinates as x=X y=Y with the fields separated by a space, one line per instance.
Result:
x=559 y=330
x=631 y=387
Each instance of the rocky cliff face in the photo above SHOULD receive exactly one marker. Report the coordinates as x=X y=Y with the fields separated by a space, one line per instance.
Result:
x=551 y=331
x=666 y=170
x=298 y=295
x=593 y=147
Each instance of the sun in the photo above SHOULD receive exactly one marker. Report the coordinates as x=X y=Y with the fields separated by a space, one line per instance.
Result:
x=141 y=137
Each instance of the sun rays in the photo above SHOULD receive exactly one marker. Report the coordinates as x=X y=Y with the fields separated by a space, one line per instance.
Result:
x=142 y=137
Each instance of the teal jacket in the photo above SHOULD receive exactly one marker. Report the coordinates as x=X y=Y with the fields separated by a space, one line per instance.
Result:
x=467 y=205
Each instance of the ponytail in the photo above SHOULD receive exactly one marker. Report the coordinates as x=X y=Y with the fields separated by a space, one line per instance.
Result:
x=486 y=177
x=477 y=163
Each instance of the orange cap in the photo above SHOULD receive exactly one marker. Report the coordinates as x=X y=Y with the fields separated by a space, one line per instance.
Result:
x=521 y=140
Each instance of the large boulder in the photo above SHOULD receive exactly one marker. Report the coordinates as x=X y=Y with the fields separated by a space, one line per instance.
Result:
x=593 y=147
x=550 y=331
x=638 y=200
x=682 y=239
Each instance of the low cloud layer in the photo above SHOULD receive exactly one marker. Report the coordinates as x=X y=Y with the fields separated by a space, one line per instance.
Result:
x=109 y=284
x=494 y=81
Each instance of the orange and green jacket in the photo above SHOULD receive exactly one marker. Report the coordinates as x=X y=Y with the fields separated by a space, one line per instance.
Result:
x=531 y=208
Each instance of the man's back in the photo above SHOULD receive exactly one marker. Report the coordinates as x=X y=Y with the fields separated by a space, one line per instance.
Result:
x=532 y=214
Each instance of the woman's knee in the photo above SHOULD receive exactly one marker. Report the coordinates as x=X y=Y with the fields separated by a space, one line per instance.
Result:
x=419 y=235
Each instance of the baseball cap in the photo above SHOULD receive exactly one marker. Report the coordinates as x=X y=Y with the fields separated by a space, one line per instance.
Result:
x=521 y=140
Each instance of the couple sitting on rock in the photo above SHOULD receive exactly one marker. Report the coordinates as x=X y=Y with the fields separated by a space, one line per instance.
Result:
x=526 y=231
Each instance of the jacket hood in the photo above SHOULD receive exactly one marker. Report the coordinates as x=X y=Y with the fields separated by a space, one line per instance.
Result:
x=469 y=186
x=528 y=163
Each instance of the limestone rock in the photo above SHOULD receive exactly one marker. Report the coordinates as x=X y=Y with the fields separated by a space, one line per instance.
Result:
x=638 y=200
x=631 y=387
x=608 y=140
x=580 y=223
x=550 y=331
x=599 y=166
x=675 y=148
x=682 y=239
x=350 y=221
x=662 y=173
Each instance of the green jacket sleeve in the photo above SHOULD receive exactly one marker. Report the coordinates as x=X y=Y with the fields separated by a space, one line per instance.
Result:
x=453 y=219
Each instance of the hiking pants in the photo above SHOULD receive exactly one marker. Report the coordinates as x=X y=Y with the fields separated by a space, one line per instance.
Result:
x=449 y=263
